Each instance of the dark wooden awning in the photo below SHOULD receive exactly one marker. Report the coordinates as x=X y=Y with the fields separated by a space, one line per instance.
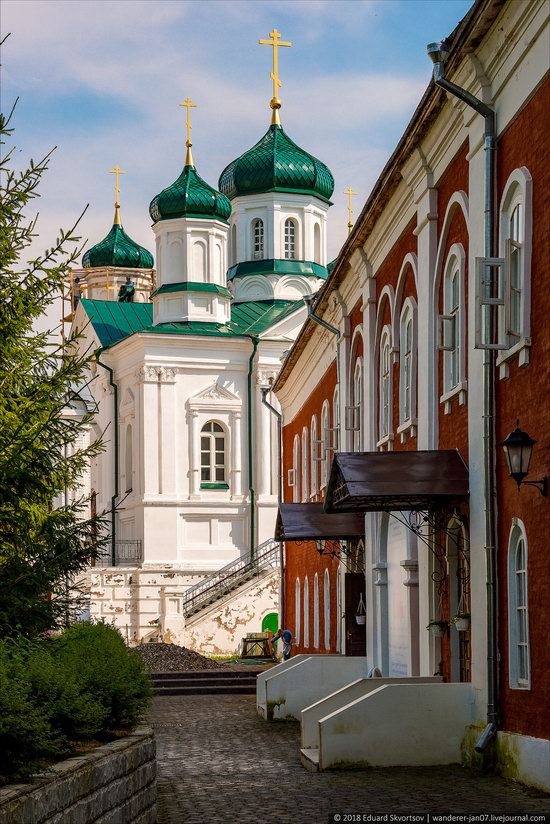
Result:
x=395 y=481
x=309 y=522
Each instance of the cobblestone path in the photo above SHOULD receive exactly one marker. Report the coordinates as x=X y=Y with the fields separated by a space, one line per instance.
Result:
x=219 y=762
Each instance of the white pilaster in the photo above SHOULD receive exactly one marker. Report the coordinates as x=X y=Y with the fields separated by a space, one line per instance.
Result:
x=236 y=454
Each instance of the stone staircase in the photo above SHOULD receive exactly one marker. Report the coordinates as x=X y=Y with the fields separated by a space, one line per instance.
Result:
x=230 y=577
x=205 y=682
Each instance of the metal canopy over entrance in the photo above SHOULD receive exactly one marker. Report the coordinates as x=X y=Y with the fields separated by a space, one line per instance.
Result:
x=309 y=522
x=395 y=481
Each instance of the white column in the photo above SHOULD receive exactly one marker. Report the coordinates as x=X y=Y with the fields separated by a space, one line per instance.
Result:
x=236 y=454
x=149 y=432
x=168 y=430
x=262 y=445
x=194 y=455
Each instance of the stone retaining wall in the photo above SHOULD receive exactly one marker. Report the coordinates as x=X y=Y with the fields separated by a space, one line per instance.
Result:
x=113 y=784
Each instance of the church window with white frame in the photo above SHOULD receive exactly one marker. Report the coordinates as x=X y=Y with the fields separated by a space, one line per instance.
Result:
x=325 y=442
x=213 y=454
x=313 y=455
x=316 y=611
x=452 y=310
x=406 y=367
x=358 y=405
x=305 y=464
x=326 y=607
x=384 y=385
x=290 y=239
x=296 y=469
x=297 y=611
x=518 y=615
x=336 y=419
x=516 y=220
x=258 y=239
x=306 y=612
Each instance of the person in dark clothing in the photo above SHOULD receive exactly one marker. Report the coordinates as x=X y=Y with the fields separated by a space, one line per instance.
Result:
x=286 y=637
x=127 y=291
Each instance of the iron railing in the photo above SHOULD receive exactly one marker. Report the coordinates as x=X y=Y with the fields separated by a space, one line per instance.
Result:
x=126 y=553
x=229 y=577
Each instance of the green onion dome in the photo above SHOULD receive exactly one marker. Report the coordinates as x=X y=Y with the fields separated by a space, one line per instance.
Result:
x=118 y=249
x=276 y=164
x=190 y=196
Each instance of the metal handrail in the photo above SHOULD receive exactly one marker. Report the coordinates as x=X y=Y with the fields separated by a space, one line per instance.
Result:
x=225 y=579
x=126 y=552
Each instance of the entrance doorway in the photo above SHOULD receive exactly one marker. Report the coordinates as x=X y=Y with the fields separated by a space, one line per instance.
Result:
x=356 y=634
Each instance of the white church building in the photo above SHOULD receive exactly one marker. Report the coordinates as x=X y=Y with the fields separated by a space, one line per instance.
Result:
x=189 y=477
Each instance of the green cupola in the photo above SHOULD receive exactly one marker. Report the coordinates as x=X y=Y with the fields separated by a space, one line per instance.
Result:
x=276 y=164
x=190 y=196
x=117 y=249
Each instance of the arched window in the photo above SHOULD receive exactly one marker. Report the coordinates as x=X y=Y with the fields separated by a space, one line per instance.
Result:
x=325 y=442
x=128 y=462
x=518 y=615
x=407 y=364
x=306 y=612
x=234 y=245
x=297 y=610
x=296 y=469
x=452 y=313
x=326 y=605
x=336 y=419
x=305 y=464
x=338 y=611
x=290 y=239
x=358 y=405
x=317 y=243
x=313 y=454
x=516 y=222
x=213 y=455
x=257 y=239
x=316 y=611
x=385 y=385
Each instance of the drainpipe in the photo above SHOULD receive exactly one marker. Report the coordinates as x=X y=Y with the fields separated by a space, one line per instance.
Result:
x=255 y=342
x=438 y=53
x=264 y=390
x=116 y=490
x=308 y=300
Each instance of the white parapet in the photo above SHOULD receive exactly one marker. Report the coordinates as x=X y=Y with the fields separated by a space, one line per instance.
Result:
x=403 y=724
x=311 y=715
x=289 y=691
x=261 y=681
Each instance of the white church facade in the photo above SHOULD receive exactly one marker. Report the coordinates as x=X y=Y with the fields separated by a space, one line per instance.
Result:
x=189 y=477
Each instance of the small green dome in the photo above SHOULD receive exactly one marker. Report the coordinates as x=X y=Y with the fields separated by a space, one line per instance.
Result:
x=118 y=249
x=190 y=196
x=276 y=164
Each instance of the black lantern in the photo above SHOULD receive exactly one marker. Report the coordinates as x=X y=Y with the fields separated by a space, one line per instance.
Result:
x=518 y=447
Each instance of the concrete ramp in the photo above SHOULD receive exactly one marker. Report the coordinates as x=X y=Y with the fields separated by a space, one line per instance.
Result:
x=398 y=724
x=261 y=685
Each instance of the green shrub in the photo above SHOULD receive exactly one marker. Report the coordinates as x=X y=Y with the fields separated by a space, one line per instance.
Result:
x=83 y=685
x=103 y=667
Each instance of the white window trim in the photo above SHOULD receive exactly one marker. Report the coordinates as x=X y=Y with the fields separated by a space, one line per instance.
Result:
x=306 y=612
x=517 y=534
x=407 y=426
x=296 y=238
x=316 y=612
x=313 y=452
x=336 y=419
x=326 y=608
x=386 y=438
x=296 y=467
x=305 y=464
x=358 y=374
x=518 y=189
x=297 y=611
x=456 y=253
x=254 y=255
x=212 y=453
x=325 y=445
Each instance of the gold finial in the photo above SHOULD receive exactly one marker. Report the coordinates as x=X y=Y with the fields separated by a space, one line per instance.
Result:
x=116 y=172
x=349 y=192
x=188 y=105
x=275 y=103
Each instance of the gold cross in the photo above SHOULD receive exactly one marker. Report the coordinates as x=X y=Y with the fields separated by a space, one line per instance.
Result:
x=349 y=192
x=188 y=105
x=276 y=43
x=116 y=172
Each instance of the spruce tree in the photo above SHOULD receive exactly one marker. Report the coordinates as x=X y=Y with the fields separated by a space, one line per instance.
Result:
x=45 y=539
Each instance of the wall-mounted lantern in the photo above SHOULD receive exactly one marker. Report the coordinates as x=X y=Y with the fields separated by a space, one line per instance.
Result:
x=518 y=447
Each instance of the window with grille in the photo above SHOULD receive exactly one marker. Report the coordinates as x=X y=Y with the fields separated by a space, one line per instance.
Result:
x=357 y=401
x=325 y=442
x=258 y=239
x=290 y=239
x=385 y=386
x=518 y=610
x=452 y=313
x=213 y=454
x=515 y=250
x=407 y=370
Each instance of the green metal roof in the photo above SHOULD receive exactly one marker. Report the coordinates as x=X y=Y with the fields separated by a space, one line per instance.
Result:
x=118 y=249
x=113 y=321
x=276 y=164
x=277 y=266
x=190 y=196
x=193 y=286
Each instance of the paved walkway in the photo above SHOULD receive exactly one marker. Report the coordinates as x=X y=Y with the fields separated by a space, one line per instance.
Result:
x=218 y=762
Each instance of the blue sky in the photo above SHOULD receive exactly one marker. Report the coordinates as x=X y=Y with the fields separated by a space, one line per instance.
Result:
x=102 y=80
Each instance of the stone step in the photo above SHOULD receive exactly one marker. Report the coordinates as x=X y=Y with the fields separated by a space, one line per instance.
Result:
x=310 y=759
x=213 y=689
x=220 y=674
x=205 y=682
